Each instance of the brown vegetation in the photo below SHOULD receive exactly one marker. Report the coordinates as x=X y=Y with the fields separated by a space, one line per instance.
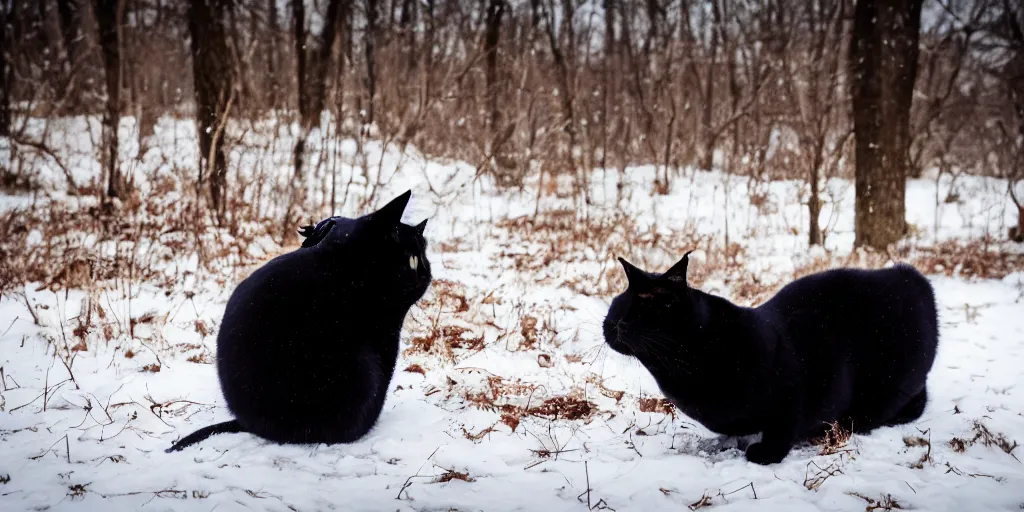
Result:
x=554 y=88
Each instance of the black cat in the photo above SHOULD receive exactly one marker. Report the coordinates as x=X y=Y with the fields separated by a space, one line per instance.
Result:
x=309 y=341
x=846 y=345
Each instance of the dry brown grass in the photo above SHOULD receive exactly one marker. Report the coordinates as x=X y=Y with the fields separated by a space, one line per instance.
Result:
x=444 y=341
x=528 y=329
x=85 y=246
x=200 y=359
x=415 y=368
x=883 y=502
x=976 y=258
x=564 y=408
x=834 y=441
x=987 y=438
x=536 y=243
x=920 y=442
x=448 y=295
x=704 y=501
x=451 y=474
x=657 y=405
x=514 y=400
x=596 y=380
x=815 y=478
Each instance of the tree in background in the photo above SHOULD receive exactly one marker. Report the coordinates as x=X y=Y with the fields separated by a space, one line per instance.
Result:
x=1009 y=28
x=108 y=15
x=542 y=88
x=883 y=65
x=812 y=77
x=68 y=19
x=5 y=76
x=314 y=53
x=371 y=39
x=213 y=79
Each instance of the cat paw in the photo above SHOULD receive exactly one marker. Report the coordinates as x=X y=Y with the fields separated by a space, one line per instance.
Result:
x=760 y=453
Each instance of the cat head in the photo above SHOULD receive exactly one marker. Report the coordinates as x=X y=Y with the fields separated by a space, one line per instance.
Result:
x=379 y=252
x=655 y=316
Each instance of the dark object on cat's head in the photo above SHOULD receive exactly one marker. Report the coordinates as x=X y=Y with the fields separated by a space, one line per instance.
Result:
x=652 y=307
x=388 y=216
x=309 y=341
x=384 y=243
x=314 y=235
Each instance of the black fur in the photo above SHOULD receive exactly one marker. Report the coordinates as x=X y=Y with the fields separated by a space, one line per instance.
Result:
x=846 y=345
x=309 y=341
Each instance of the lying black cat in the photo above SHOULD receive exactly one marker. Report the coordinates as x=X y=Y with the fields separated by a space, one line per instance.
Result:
x=309 y=341
x=853 y=346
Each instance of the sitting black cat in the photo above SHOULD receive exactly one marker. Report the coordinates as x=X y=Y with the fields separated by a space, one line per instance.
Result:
x=309 y=341
x=846 y=345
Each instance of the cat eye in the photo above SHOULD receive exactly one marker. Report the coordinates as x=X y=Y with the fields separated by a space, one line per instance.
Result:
x=413 y=262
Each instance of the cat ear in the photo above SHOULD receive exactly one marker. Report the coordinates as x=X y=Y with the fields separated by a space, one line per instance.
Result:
x=633 y=275
x=422 y=226
x=391 y=214
x=678 y=271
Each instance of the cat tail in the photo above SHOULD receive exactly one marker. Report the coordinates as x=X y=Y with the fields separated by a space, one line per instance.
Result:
x=227 y=427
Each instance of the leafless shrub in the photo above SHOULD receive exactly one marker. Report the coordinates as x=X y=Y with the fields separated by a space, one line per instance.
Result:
x=814 y=479
x=917 y=441
x=987 y=438
x=976 y=258
x=883 y=502
x=834 y=441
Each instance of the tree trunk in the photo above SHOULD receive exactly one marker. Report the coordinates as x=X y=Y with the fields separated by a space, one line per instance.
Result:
x=606 y=71
x=564 y=80
x=299 y=28
x=407 y=24
x=108 y=18
x=495 y=11
x=274 y=99
x=372 y=30
x=814 y=202
x=313 y=55
x=883 y=65
x=139 y=82
x=1013 y=75
x=706 y=118
x=69 y=32
x=5 y=74
x=213 y=78
x=320 y=64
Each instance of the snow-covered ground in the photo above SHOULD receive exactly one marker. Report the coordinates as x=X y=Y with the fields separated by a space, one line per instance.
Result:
x=505 y=398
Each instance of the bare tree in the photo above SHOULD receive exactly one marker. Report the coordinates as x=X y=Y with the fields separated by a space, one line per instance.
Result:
x=313 y=56
x=567 y=84
x=371 y=37
x=495 y=11
x=272 y=57
x=5 y=73
x=213 y=76
x=883 y=65
x=708 y=101
x=1008 y=27
x=108 y=15
x=69 y=22
x=813 y=87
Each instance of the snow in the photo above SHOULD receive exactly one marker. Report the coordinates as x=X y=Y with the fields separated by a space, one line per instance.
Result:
x=97 y=441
